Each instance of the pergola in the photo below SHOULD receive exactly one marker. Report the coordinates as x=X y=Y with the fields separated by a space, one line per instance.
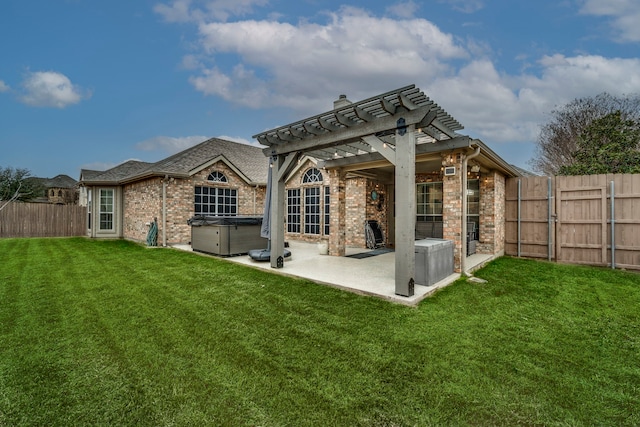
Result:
x=391 y=128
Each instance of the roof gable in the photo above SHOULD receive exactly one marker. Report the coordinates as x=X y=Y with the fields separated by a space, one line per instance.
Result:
x=248 y=161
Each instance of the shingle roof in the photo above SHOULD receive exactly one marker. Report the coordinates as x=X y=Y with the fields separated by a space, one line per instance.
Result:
x=247 y=159
x=59 y=181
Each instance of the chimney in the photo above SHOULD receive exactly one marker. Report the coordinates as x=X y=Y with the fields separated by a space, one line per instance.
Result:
x=342 y=101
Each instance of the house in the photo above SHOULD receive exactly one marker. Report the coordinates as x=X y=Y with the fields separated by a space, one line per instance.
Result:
x=396 y=158
x=215 y=177
x=61 y=190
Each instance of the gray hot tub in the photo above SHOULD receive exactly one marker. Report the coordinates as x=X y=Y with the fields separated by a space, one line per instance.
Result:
x=434 y=260
x=226 y=235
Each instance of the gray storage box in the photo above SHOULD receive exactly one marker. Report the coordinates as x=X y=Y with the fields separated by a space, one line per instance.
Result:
x=226 y=236
x=434 y=260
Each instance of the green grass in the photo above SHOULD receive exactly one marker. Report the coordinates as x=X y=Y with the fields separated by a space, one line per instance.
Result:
x=113 y=333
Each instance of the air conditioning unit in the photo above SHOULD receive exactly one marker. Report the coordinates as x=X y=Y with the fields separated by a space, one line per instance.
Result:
x=449 y=171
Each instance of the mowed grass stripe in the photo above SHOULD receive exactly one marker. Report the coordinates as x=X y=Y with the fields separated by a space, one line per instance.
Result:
x=111 y=332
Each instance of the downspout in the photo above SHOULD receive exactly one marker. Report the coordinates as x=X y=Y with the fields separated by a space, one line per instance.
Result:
x=164 y=210
x=463 y=236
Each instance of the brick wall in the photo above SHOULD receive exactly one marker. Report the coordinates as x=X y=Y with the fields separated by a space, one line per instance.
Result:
x=492 y=213
x=452 y=209
x=143 y=202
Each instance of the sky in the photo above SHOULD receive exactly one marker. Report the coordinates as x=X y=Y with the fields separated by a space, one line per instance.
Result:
x=91 y=84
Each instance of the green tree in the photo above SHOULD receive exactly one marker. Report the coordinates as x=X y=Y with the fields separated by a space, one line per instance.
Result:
x=558 y=138
x=15 y=185
x=609 y=144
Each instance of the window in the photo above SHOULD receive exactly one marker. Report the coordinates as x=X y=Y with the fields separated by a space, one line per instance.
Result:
x=106 y=209
x=327 y=200
x=473 y=205
x=89 y=207
x=311 y=176
x=216 y=176
x=312 y=210
x=429 y=202
x=311 y=214
x=293 y=210
x=216 y=201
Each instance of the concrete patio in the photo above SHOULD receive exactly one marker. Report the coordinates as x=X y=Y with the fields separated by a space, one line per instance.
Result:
x=374 y=276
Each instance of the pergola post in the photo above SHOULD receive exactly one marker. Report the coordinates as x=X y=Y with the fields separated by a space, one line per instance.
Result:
x=277 y=213
x=405 y=172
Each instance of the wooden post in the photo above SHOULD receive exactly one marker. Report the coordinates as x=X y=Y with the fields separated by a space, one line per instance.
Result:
x=405 y=181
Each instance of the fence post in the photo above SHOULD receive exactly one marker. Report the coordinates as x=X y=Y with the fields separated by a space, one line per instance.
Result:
x=613 y=226
x=549 y=219
x=519 y=202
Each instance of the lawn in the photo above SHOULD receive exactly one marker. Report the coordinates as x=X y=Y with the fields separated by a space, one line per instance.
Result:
x=113 y=333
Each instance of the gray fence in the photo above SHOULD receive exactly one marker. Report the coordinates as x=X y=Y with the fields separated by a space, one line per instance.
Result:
x=592 y=219
x=42 y=220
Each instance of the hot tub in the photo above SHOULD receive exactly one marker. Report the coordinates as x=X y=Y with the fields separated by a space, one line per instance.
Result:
x=225 y=236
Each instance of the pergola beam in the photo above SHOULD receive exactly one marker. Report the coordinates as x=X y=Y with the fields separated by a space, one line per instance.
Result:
x=349 y=135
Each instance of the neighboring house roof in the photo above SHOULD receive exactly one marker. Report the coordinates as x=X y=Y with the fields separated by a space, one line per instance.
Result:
x=59 y=181
x=246 y=160
x=524 y=172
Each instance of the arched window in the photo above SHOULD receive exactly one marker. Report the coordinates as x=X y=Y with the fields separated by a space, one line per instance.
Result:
x=216 y=176
x=312 y=175
x=53 y=193
x=59 y=193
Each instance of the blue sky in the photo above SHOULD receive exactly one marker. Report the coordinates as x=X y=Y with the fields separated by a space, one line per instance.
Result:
x=90 y=84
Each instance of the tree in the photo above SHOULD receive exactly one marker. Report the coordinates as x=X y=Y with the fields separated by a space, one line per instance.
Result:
x=14 y=185
x=608 y=145
x=557 y=141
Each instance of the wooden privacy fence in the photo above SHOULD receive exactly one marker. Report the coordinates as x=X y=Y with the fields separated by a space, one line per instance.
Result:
x=42 y=220
x=591 y=219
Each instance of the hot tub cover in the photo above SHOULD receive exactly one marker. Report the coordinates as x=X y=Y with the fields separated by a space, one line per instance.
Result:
x=203 y=220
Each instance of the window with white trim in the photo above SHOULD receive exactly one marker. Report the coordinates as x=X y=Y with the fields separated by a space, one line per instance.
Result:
x=216 y=176
x=89 y=207
x=312 y=175
x=473 y=205
x=106 y=208
x=429 y=202
x=312 y=210
x=215 y=201
x=327 y=205
x=293 y=210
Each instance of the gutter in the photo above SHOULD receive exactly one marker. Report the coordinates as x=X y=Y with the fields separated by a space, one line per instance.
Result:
x=164 y=210
x=463 y=236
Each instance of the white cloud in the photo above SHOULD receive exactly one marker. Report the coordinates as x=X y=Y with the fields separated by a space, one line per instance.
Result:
x=4 y=87
x=240 y=140
x=51 y=89
x=624 y=14
x=505 y=108
x=465 y=6
x=304 y=66
x=405 y=9
x=198 y=11
x=353 y=51
x=169 y=144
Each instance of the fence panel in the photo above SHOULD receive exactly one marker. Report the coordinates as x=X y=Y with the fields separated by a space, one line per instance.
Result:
x=626 y=220
x=527 y=217
x=584 y=219
x=42 y=220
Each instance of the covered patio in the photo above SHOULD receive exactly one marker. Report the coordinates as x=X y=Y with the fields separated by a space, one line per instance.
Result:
x=389 y=138
x=373 y=276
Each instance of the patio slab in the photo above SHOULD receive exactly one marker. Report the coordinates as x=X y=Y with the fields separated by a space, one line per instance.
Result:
x=374 y=276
